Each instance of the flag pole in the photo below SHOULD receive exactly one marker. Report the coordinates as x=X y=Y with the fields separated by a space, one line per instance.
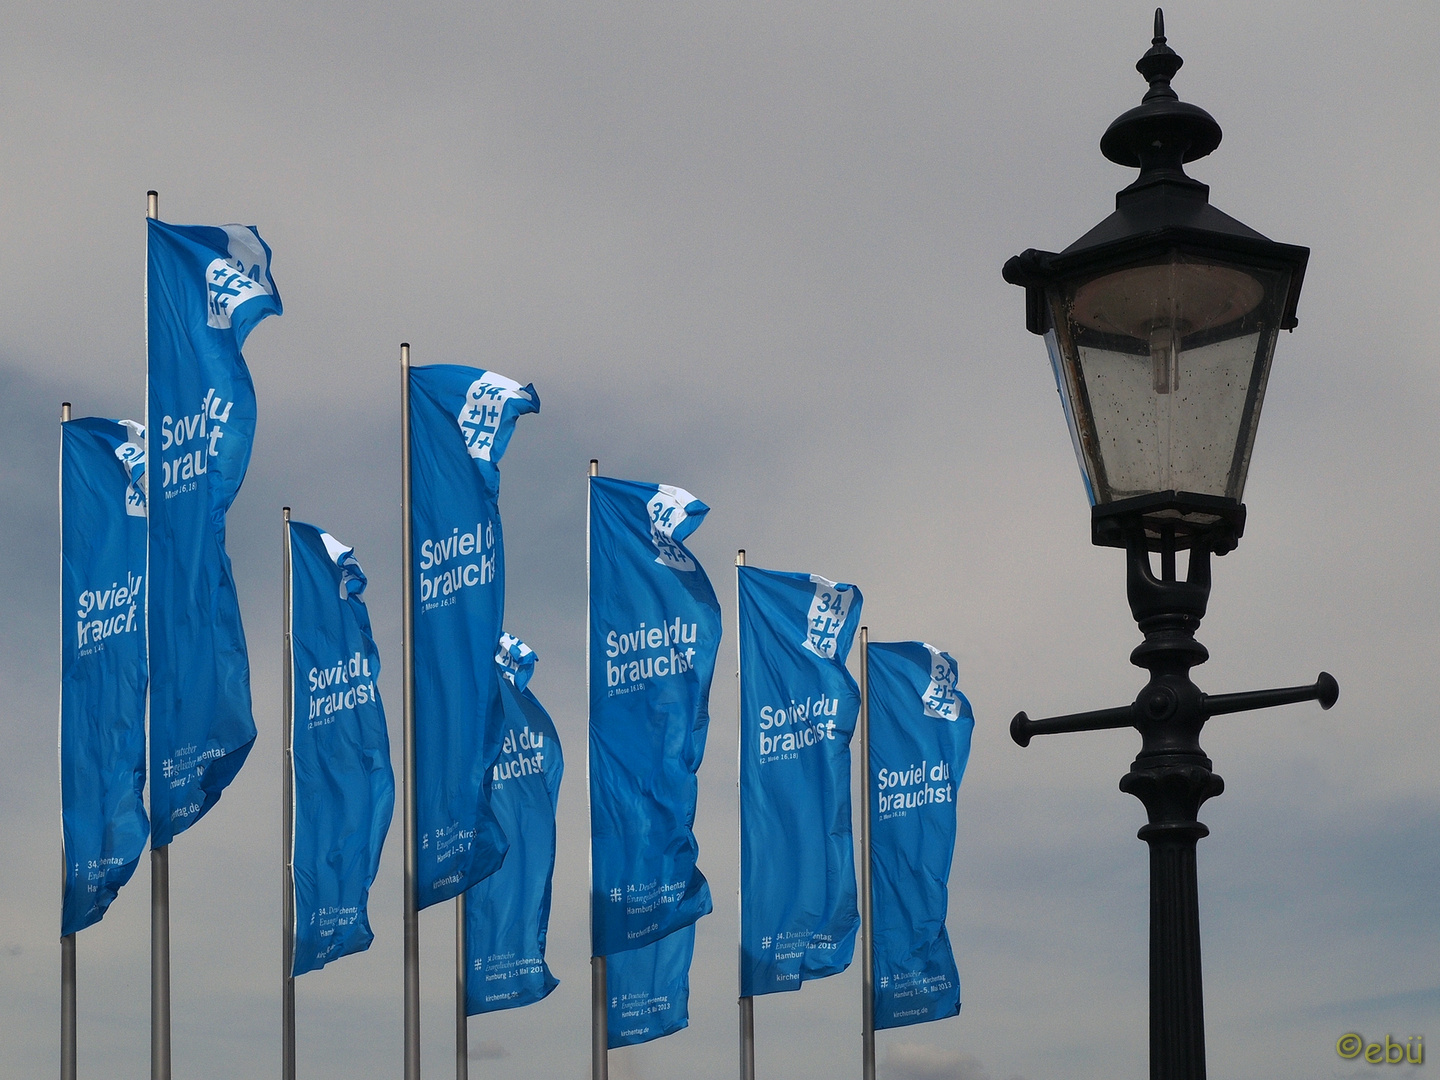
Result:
x=159 y=857
x=67 y=943
x=287 y=815
x=747 y=1004
x=407 y=592
x=599 y=1016
x=867 y=915
x=462 y=1018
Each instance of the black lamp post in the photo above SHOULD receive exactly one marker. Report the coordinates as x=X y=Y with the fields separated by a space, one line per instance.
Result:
x=1161 y=323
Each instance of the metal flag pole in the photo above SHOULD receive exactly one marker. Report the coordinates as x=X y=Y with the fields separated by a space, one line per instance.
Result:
x=287 y=815
x=599 y=1016
x=159 y=857
x=867 y=915
x=407 y=653
x=67 y=943
x=462 y=1018
x=747 y=1004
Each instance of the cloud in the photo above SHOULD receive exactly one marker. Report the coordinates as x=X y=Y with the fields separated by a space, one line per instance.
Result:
x=488 y=1050
x=915 y=1061
x=755 y=251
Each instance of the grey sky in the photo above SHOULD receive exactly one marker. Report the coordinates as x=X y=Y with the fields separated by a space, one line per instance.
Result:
x=755 y=250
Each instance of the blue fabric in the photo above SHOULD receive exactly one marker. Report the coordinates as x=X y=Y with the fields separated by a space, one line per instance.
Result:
x=207 y=288
x=649 y=989
x=798 y=708
x=102 y=663
x=507 y=915
x=654 y=632
x=920 y=728
x=339 y=750
x=461 y=419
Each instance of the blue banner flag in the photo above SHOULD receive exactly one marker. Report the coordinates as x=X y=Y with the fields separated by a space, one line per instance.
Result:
x=207 y=288
x=649 y=989
x=508 y=914
x=798 y=707
x=102 y=662
x=920 y=727
x=461 y=420
x=344 y=788
x=654 y=633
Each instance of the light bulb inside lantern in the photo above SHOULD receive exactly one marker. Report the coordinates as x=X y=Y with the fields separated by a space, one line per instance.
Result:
x=1165 y=357
x=1160 y=302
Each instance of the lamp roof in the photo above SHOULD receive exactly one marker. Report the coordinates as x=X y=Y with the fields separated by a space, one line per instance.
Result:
x=1163 y=209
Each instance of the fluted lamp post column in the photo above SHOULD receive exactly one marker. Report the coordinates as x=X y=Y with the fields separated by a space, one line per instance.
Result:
x=1161 y=323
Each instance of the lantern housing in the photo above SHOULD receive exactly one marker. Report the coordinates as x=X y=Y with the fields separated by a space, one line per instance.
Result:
x=1161 y=323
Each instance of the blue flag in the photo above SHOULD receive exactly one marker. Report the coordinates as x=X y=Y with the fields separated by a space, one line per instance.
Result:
x=102 y=662
x=654 y=633
x=649 y=989
x=920 y=727
x=508 y=914
x=207 y=289
x=339 y=750
x=798 y=707
x=461 y=420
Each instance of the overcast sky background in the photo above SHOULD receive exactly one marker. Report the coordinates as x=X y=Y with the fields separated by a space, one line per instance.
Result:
x=754 y=250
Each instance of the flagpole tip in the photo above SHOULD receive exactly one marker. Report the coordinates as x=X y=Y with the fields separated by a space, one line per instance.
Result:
x=594 y=466
x=152 y=204
x=740 y=557
x=64 y=412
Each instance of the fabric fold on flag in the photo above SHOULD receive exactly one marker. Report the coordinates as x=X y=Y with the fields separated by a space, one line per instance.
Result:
x=798 y=709
x=654 y=634
x=344 y=786
x=103 y=671
x=920 y=730
x=461 y=420
x=649 y=989
x=507 y=916
x=207 y=288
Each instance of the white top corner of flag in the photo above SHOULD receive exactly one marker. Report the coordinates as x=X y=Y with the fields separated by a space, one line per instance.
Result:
x=516 y=660
x=241 y=277
x=942 y=696
x=484 y=408
x=828 y=612
x=671 y=510
x=352 y=578
x=132 y=455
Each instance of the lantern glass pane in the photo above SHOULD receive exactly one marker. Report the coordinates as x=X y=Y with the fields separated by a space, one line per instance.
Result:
x=1180 y=440
x=1163 y=370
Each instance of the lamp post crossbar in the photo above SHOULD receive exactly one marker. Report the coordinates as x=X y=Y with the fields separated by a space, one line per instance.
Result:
x=1324 y=690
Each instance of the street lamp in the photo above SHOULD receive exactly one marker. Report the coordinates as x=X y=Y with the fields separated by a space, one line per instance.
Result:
x=1161 y=323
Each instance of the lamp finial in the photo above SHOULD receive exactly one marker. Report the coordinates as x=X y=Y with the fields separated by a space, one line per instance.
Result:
x=1162 y=133
x=1160 y=64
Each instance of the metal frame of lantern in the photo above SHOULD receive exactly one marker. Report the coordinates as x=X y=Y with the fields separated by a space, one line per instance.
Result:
x=1134 y=315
